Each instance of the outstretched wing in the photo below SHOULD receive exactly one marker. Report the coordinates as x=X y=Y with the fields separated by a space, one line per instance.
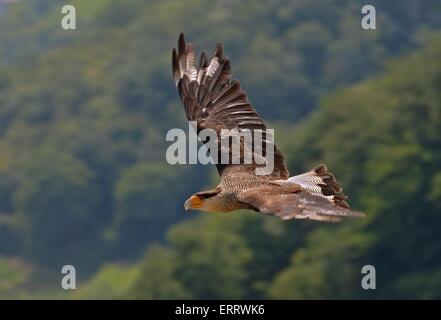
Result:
x=215 y=101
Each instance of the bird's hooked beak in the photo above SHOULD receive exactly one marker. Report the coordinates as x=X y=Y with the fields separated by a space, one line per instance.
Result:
x=194 y=202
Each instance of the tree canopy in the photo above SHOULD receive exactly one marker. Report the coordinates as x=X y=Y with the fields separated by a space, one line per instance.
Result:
x=83 y=176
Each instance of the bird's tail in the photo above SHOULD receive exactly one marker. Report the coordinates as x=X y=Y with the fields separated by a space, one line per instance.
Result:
x=318 y=181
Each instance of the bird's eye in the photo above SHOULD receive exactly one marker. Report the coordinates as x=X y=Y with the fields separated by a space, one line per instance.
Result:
x=206 y=195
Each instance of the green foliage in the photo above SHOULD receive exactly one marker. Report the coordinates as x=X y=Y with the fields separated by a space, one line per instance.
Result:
x=13 y=274
x=140 y=190
x=21 y=280
x=381 y=139
x=83 y=116
x=156 y=280
x=109 y=282
x=218 y=255
x=58 y=200
x=211 y=257
x=328 y=267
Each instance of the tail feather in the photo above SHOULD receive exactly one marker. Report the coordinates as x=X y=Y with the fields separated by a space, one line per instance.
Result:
x=320 y=182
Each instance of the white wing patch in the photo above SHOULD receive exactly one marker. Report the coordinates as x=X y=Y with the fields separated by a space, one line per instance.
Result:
x=309 y=181
x=190 y=69
x=200 y=74
x=214 y=64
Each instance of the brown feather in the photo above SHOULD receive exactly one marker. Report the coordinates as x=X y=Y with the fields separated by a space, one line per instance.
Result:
x=216 y=101
x=298 y=205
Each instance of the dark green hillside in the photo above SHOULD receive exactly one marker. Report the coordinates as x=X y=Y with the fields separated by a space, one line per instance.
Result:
x=83 y=118
x=382 y=139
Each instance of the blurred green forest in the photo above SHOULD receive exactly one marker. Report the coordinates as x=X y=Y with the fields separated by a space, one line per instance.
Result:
x=83 y=176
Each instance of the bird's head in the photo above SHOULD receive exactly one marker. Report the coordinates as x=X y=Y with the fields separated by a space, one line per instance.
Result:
x=206 y=201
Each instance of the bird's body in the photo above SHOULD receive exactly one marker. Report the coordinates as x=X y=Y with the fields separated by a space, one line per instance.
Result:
x=235 y=182
x=216 y=102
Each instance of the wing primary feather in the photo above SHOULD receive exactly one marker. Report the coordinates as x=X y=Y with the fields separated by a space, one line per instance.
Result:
x=203 y=60
x=175 y=67
x=212 y=98
x=190 y=69
x=181 y=54
x=214 y=65
x=219 y=51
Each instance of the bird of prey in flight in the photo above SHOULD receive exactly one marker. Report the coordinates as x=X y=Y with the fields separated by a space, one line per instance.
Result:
x=215 y=101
